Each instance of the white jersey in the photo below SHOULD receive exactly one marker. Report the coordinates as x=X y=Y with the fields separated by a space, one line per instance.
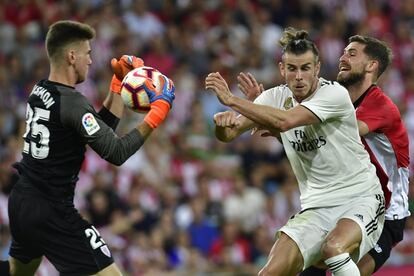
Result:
x=328 y=158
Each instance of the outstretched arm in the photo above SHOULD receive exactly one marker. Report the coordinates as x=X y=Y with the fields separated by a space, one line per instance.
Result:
x=93 y=131
x=266 y=116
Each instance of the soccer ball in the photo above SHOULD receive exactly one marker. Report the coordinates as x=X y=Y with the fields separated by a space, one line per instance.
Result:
x=133 y=93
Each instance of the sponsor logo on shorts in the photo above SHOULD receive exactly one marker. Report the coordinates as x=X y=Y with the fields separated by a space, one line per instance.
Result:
x=90 y=124
x=361 y=217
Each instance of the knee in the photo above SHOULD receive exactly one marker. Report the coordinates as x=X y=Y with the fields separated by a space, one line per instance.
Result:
x=331 y=247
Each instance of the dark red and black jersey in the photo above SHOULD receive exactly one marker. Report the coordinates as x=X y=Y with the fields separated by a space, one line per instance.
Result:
x=387 y=145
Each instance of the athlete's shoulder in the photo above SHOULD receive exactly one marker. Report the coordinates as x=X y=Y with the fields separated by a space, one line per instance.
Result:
x=55 y=86
x=330 y=84
x=274 y=96
x=324 y=82
x=72 y=97
x=280 y=91
x=277 y=89
x=377 y=94
x=332 y=89
x=377 y=100
x=73 y=105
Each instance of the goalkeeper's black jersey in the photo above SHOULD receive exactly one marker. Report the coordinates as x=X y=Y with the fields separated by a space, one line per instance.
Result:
x=59 y=124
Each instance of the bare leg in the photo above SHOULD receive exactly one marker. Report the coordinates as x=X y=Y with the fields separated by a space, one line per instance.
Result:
x=284 y=259
x=340 y=242
x=111 y=270
x=345 y=237
x=366 y=265
x=17 y=268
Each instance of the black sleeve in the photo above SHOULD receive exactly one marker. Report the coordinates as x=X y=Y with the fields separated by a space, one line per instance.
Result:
x=110 y=119
x=93 y=131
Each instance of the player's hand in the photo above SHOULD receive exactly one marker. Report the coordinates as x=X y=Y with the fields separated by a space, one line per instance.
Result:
x=226 y=119
x=166 y=91
x=124 y=65
x=161 y=101
x=216 y=82
x=249 y=86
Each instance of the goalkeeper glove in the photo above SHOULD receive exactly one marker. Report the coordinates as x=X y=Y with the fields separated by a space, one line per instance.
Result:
x=122 y=67
x=161 y=101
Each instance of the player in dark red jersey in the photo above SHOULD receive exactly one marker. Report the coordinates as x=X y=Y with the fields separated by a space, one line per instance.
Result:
x=60 y=122
x=384 y=136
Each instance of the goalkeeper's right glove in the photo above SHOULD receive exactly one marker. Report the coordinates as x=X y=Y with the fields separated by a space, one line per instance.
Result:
x=121 y=68
x=161 y=101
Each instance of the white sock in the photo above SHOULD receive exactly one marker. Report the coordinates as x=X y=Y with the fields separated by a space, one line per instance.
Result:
x=342 y=265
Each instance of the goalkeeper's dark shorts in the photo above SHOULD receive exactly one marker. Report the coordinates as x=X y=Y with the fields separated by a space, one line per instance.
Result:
x=390 y=236
x=41 y=227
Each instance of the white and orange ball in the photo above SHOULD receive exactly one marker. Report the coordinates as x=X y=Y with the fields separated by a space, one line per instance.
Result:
x=133 y=93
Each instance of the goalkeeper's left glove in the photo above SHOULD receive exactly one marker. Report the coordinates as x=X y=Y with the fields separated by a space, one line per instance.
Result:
x=122 y=67
x=161 y=101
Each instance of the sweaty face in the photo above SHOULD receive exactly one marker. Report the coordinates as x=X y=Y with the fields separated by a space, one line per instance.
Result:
x=82 y=53
x=300 y=73
x=352 y=64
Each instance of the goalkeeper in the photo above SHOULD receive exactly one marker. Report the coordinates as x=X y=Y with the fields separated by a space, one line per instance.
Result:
x=60 y=122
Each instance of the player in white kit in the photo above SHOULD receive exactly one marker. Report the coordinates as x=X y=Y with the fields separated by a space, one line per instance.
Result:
x=384 y=136
x=342 y=203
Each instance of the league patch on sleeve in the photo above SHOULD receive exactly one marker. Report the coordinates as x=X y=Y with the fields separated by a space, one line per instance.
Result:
x=90 y=124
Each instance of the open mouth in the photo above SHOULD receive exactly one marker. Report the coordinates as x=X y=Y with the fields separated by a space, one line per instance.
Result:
x=344 y=68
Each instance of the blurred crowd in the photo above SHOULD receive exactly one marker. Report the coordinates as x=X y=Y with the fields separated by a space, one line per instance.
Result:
x=187 y=204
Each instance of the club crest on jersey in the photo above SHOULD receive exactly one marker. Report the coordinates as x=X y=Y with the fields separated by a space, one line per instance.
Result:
x=90 y=124
x=288 y=103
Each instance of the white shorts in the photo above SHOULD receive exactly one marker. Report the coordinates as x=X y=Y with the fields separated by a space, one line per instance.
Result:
x=310 y=227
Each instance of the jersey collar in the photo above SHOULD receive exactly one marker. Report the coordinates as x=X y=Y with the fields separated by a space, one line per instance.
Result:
x=362 y=97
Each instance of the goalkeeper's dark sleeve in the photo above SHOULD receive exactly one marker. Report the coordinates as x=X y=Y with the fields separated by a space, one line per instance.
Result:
x=78 y=115
x=110 y=119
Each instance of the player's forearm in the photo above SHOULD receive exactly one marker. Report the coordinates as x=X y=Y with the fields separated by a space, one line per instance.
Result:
x=263 y=115
x=113 y=102
x=112 y=110
x=108 y=117
x=144 y=129
x=116 y=150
